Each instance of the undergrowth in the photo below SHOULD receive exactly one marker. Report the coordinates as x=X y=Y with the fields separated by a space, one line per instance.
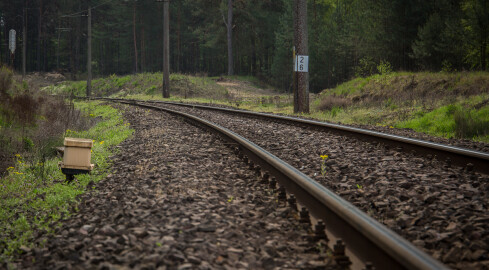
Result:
x=29 y=203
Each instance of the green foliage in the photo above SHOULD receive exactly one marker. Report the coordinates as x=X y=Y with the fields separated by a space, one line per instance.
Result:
x=452 y=121
x=366 y=67
x=6 y=76
x=23 y=192
x=28 y=144
x=282 y=64
x=384 y=68
x=472 y=123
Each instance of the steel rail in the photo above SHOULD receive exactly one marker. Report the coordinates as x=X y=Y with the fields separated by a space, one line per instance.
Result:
x=366 y=239
x=457 y=155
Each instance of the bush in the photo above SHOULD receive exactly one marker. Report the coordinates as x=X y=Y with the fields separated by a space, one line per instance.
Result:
x=27 y=143
x=329 y=102
x=5 y=82
x=365 y=68
x=384 y=68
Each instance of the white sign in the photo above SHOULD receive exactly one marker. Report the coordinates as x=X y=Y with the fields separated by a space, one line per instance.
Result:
x=11 y=43
x=301 y=63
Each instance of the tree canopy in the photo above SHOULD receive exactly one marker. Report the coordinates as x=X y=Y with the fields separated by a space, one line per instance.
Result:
x=347 y=38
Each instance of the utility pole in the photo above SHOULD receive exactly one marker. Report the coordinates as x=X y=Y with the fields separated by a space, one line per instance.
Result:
x=89 y=53
x=301 y=91
x=24 y=40
x=229 y=26
x=166 y=49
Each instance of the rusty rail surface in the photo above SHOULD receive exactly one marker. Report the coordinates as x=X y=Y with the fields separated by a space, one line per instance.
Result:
x=367 y=241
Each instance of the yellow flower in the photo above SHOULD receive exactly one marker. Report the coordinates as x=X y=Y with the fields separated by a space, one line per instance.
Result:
x=17 y=155
x=10 y=168
x=391 y=127
x=18 y=173
x=101 y=142
x=324 y=157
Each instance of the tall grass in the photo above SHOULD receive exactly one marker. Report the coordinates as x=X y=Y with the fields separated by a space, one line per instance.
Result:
x=29 y=204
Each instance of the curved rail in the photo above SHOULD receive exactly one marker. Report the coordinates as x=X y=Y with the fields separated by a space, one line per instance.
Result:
x=366 y=239
x=457 y=155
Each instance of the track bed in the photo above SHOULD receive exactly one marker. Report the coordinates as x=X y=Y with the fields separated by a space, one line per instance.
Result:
x=442 y=209
x=178 y=199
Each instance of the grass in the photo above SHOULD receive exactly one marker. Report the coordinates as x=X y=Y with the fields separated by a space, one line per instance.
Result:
x=463 y=119
x=399 y=99
x=149 y=84
x=30 y=203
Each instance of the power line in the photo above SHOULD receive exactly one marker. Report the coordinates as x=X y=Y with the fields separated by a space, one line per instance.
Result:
x=84 y=11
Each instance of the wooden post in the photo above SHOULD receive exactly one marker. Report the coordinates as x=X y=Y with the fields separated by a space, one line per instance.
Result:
x=89 y=53
x=166 y=49
x=229 y=27
x=301 y=105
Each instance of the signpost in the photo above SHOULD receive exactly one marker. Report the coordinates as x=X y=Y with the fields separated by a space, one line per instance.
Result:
x=301 y=63
x=11 y=45
x=301 y=60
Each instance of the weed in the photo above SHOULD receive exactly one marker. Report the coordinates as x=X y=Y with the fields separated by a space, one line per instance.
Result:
x=23 y=192
x=334 y=111
x=5 y=82
x=468 y=125
x=323 y=164
x=28 y=144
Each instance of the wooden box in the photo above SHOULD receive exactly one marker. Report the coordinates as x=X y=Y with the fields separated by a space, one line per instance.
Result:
x=77 y=154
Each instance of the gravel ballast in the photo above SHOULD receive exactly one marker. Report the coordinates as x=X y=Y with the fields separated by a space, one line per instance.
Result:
x=440 y=208
x=177 y=198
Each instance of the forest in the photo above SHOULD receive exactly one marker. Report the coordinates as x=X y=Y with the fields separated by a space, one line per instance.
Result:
x=347 y=38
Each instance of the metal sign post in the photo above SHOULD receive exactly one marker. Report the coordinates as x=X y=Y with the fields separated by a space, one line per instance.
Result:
x=11 y=45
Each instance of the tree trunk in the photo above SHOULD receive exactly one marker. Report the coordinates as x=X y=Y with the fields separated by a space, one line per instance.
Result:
x=166 y=49
x=179 y=22
x=253 y=55
x=143 y=51
x=230 y=37
x=301 y=96
x=39 y=29
x=483 y=56
x=134 y=36
x=89 y=53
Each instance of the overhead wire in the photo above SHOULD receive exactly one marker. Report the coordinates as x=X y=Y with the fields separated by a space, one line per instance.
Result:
x=84 y=11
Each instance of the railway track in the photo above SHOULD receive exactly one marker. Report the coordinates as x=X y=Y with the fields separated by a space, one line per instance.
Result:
x=458 y=156
x=368 y=243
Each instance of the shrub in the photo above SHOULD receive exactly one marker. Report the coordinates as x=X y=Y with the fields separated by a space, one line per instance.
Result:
x=27 y=143
x=5 y=82
x=365 y=68
x=384 y=68
x=329 y=102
